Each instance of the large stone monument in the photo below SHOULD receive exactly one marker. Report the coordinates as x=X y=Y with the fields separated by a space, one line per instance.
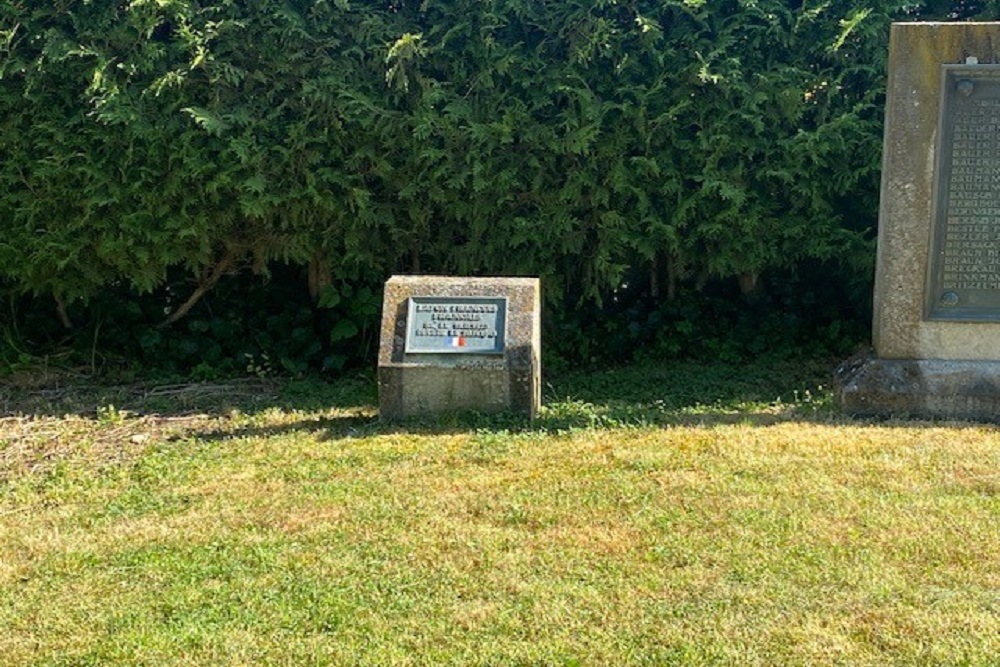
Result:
x=450 y=344
x=937 y=285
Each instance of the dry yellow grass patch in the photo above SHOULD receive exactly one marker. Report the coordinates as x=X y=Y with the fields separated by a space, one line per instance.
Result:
x=297 y=537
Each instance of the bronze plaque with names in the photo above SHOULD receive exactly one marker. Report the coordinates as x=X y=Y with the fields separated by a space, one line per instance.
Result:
x=964 y=275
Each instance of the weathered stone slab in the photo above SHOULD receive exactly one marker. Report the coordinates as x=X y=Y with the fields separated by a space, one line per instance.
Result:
x=911 y=305
x=450 y=344
x=924 y=388
x=936 y=327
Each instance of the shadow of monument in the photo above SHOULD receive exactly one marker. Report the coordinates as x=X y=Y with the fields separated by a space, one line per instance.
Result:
x=678 y=394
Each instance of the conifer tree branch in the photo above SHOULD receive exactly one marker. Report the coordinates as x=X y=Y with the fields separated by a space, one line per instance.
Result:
x=206 y=285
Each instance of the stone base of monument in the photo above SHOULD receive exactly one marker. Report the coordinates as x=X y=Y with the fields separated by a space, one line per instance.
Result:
x=933 y=388
x=452 y=344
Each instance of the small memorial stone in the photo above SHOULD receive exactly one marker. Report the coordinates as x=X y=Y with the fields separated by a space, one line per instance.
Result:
x=451 y=344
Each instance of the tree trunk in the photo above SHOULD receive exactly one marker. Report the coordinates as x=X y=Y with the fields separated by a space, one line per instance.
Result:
x=673 y=269
x=61 y=312
x=204 y=287
x=654 y=279
x=415 y=258
x=320 y=275
x=748 y=282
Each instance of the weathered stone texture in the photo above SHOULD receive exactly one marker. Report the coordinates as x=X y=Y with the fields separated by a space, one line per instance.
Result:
x=922 y=367
x=417 y=384
x=926 y=388
x=916 y=53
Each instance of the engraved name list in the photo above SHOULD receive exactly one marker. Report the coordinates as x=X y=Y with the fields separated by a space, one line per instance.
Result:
x=972 y=238
x=965 y=261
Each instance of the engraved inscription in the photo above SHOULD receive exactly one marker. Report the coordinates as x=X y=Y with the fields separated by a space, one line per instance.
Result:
x=972 y=238
x=455 y=325
x=965 y=271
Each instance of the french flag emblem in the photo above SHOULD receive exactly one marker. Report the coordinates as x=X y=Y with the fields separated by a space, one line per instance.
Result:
x=456 y=341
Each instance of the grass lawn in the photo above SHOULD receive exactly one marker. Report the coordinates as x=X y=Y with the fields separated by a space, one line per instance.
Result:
x=671 y=515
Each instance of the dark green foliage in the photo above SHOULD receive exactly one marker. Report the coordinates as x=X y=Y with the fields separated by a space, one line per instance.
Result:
x=245 y=326
x=155 y=152
x=809 y=309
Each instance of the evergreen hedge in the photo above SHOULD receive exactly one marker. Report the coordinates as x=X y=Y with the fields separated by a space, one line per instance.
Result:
x=674 y=154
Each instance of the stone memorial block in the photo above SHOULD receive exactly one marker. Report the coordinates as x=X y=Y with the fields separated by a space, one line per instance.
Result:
x=451 y=344
x=936 y=326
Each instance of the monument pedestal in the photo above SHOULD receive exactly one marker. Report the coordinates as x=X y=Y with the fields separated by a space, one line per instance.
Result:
x=925 y=388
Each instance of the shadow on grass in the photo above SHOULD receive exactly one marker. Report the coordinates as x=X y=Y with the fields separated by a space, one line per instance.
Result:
x=759 y=393
x=212 y=399
x=674 y=394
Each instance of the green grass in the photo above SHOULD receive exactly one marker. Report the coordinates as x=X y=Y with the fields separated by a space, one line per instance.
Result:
x=676 y=515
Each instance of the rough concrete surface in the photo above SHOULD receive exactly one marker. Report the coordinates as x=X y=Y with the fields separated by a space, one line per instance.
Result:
x=921 y=367
x=412 y=385
x=916 y=53
x=922 y=388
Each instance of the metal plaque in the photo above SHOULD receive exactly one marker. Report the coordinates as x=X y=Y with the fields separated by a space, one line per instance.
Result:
x=964 y=276
x=450 y=325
